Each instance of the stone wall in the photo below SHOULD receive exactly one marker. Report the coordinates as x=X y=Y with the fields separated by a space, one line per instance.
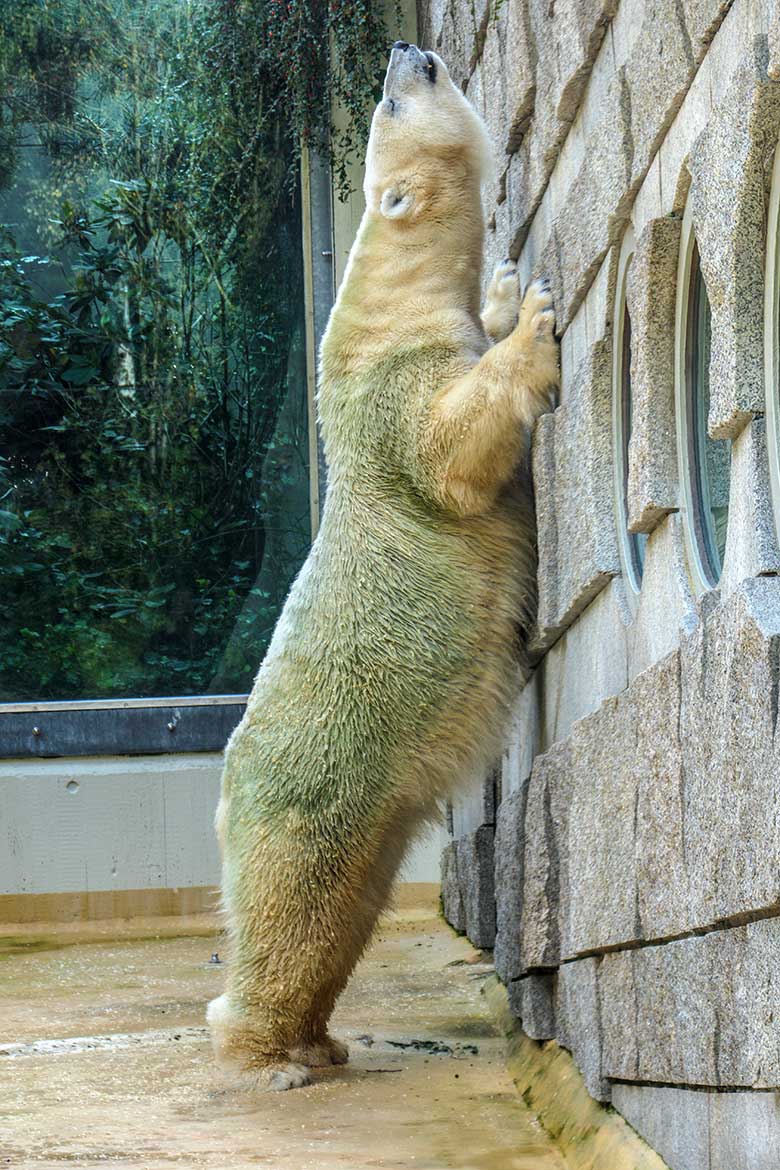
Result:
x=625 y=861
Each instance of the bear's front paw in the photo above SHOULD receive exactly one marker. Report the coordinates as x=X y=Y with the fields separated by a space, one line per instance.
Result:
x=502 y=302
x=537 y=316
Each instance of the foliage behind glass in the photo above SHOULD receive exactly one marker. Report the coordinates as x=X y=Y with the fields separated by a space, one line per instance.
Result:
x=154 y=502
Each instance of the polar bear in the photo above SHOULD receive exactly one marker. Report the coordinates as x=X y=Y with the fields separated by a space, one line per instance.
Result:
x=389 y=675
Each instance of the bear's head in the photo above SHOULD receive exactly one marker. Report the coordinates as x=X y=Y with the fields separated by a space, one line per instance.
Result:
x=428 y=150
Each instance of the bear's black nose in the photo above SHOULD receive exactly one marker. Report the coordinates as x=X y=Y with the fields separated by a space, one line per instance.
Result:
x=402 y=45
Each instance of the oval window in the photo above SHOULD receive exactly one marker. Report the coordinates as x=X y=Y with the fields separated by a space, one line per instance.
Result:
x=635 y=541
x=709 y=460
x=632 y=545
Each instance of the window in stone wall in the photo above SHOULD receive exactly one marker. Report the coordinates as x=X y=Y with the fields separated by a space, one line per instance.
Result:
x=635 y=541
x=708 y=460
x=632 y=544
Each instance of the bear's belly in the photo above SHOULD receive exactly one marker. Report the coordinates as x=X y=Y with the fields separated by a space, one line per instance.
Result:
x=390 y=650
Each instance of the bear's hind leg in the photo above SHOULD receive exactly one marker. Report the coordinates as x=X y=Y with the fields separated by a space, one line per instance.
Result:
x=314 y=1045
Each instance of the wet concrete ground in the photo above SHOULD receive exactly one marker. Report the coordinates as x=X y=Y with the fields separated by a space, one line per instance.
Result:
x=104 y=1060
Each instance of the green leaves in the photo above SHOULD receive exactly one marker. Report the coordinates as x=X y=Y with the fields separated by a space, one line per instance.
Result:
x=153 y=441
x=9 y=521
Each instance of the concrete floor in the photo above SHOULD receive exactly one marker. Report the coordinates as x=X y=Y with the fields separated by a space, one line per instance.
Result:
x=104 y=1060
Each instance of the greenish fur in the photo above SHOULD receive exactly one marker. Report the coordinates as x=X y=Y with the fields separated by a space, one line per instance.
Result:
x=389 y=676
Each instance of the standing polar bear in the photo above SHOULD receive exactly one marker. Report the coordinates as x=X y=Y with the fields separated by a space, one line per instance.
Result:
x=389 y=675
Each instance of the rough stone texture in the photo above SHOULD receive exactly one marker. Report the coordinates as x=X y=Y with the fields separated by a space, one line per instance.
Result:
x=566 y=49
x=518 y=63
x=543 y=463
x=682 y=829
x=578 y=552
x=598 y=639
x=668 y=49
x=474 y=806
x=700 y=1011
x=751 y=542
x=658 y=786
x=595 y=210
x=729 y=702
x=744 y=1130
x=578 y=1021
x=546 y=857
x=650 y=297
x=703 y=18
x=430 y=19
x=475 y=878
x=523 y=742
x=532 y=1000
x=508 y=78
x=509 y=853
x=601 y=900
x=460 y=38
x=695 y=1130
x=773 y=70
x=675 y=1122
x=563 y=51
x=622 y=121
x=658 y=74
x=619 y=1015
x=666 y=603
x=627 y=889
x=729 y=164
x=451 y=897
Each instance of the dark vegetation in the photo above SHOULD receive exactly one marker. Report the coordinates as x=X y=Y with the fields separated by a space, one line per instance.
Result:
x=154 y=451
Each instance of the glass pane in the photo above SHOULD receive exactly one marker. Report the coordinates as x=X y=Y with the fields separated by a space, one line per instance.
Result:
x=711 y=460
x=154 y=479
x=637 y=542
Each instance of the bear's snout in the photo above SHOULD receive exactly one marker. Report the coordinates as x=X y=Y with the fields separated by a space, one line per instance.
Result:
x=408 y=65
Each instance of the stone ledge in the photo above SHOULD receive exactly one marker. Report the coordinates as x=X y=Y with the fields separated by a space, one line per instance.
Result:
x=701 y=1011
x=451 y=897
x=729 y=169
x=751 y=540
x=697 y=1130
x=680 y=833
x=589 y=1136
x=468 y=888
x=650 y=297
x=509 y=855
x=572 y=468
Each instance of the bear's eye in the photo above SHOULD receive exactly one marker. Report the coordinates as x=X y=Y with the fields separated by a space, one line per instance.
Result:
x=431 y=67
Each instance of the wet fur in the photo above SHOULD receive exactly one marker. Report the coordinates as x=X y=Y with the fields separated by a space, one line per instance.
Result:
x=390 y=673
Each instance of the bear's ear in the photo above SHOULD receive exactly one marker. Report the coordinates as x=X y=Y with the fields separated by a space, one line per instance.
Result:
x=396 y=205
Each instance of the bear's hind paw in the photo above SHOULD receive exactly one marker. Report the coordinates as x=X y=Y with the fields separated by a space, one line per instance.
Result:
x=271 y=1078
x=321 y=1053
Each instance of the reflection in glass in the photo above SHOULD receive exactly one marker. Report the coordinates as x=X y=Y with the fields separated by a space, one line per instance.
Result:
x=636 y=541
x=710 y=459
x=154 y=495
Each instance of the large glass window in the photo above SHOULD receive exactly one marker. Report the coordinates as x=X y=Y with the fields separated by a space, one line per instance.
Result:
x=709 y=460
x=154 y=466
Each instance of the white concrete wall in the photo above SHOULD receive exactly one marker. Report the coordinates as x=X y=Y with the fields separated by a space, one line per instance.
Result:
x=108 y=823
x=124 y=823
